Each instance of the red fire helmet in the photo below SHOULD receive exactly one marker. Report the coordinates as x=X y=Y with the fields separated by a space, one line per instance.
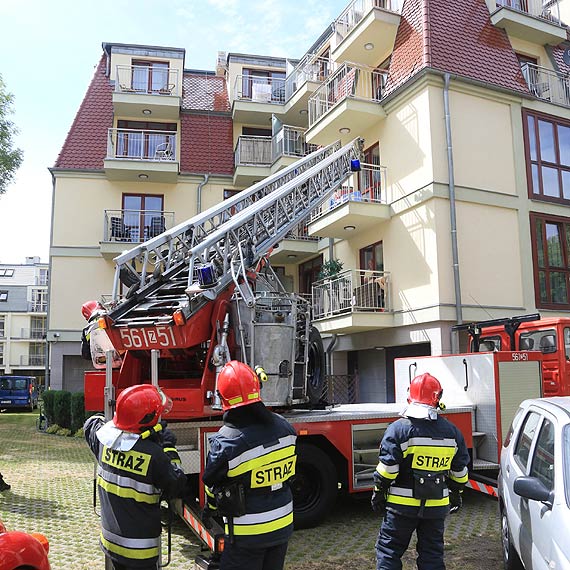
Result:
x=140 y=407
x=88 y=308
x=238 y=385
x=425 y=389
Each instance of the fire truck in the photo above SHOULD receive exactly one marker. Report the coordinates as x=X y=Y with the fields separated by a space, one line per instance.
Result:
x=550 y=336
x=189 y=300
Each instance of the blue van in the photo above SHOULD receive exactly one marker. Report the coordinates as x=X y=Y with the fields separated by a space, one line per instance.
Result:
x=18 y=392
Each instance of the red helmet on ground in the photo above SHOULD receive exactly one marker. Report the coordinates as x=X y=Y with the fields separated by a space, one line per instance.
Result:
x=238 y=385
x=425 y=389
x=140 y=407
x=88 y=308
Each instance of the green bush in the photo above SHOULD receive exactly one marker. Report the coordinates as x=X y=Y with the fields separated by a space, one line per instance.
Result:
x=64 y=432
x=48 y=398
x=53 y=428
x=77 y=411
x=79 y=433
x=62 y=408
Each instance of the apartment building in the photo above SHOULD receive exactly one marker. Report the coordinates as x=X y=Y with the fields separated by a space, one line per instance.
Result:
x=23 y=318
x=460 y=212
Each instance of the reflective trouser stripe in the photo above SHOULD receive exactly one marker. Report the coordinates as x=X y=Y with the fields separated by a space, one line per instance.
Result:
x=262 y=523
x=133 y=548
x=127 y=492
x=404 y=496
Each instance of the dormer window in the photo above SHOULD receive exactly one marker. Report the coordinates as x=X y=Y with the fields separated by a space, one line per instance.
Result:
x=150 y=77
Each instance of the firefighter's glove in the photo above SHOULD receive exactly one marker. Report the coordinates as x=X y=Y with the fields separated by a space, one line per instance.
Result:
x=455 y=501
x=378 y=500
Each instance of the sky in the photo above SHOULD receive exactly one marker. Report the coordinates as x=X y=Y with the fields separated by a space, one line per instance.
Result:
x=49 y=50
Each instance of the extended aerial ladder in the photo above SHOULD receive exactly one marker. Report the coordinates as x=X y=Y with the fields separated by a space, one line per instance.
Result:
x=198 y=292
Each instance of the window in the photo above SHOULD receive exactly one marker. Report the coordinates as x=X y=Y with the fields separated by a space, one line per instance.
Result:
x=43 y=277
x=3 y=296
x=37 y=327
x=256 y=132
x=37 y=354
x=551 y=257
x=512 y=427
x=145 y=140
x=263 y=86
x=143 y=216
x=2 y=326
x=547 y=151
x=543 y=340
x=543 y=462
x=308 y=272
x=372 y=257
x=526 y=436
x=1 y=353
x=151 y=77
x=6 y=272
x=39 y=300
x=371 y=177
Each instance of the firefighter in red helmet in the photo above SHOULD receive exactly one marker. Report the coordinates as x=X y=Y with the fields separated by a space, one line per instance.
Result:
x=421 y=472
x=251 y=459
x=137 y=464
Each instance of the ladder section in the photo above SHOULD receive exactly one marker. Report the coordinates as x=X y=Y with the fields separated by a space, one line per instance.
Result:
x=226 y=240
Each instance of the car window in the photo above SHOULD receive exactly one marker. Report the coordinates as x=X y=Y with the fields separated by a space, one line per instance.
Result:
x=526 y=436
x=566 y=461
x=512 y=427
x=543 y=340
x=567 y=342
x=543 y=461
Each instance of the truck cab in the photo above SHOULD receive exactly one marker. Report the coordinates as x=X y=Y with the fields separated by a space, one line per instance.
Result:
x=18 y=392
x=549 y=336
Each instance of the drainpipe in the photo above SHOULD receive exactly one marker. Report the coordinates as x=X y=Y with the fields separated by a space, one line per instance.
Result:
x=452 y=213
x=199 y=193
x=330 y=347
x=331 y=249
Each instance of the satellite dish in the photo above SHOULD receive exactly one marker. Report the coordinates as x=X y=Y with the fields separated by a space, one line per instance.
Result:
x=566 y=56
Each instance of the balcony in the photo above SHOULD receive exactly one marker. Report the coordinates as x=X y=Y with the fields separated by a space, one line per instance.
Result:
x=30 y=334
x=32 y=360
x=347 y=103
x=547 y=84
x=252 y=159
x=134 y=154
x=143 y=91
x=298 y=246
x=38 y=306
x=360 y=204
x=288 y=145
x=256 y=98
x=354 y=301
x=366 y=31
x=122 y=229
x=535 y=21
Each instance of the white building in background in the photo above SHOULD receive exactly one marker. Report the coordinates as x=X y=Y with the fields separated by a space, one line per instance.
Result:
x=23 y=318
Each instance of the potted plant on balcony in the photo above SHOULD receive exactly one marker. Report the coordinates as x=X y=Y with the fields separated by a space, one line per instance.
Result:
x=330 y=269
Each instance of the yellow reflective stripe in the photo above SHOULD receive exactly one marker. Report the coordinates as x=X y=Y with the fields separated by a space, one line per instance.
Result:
x=208 y=492
x=236 y=400
x=462 y=479
x=275 y=473
x=262 y=528
x=382 y=469
x=411 y=502
x=127 y=493
x=132 y=553
x=258 y=462
x=253 y=396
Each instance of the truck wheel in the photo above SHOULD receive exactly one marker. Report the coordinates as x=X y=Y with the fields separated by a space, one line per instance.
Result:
x=315 y=367
x=314 y=486
x=511 y=560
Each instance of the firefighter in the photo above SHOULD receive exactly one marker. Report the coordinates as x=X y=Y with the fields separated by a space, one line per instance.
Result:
x=137 y=466
x=421 y=472
x=250 y=461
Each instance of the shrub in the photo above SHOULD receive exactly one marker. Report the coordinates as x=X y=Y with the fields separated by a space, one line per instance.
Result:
x=53 y=428
x=79 y=433
x=48 y=397
x=62 y=408
x=64 y=432
x=77 y=411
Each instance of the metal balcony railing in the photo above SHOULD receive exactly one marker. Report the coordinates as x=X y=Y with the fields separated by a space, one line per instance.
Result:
x=33 y=334
x=290 y=141
x=351 y=291
x=301 y=233
x=146 y=80
x=135 y=226
x=357 y=10
x=368 y=185
x=548 y=10
x=32 y=360
x=37 y=307
x=260 y=89
x=253 y=151
x=547 y=84
x=350 y=81
x=310 y=68
x=135 y=144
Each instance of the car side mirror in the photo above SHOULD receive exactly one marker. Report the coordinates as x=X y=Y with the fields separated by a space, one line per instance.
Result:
x=534 y=489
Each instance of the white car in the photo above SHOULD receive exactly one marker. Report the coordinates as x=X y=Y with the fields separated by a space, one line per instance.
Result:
x=534 y=487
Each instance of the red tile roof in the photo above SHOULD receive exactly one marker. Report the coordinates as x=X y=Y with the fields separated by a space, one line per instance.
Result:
x=454 y=36
x=205 y=92
x=86 y=144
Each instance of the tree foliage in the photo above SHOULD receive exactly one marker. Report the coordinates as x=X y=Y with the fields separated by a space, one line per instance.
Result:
x=10 y=157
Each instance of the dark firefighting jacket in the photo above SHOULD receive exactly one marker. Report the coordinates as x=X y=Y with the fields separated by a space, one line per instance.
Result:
x=130 y=484
x=254 y=448
x=419 y=460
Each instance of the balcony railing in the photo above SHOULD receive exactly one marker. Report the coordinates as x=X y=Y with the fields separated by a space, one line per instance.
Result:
x=547 y=84
x=357 y=10
x=135 y=226
x=37 y=307
x=146 y=80
x=290 y=141
x=32 y=360
x=368 y=185
x=135 y=144
x=33 y=334
x=352 y=291
x=350 y=81
x=310 y=68
x=253 y=151
x=301 y=233
x=260 y=89
x=538 y=8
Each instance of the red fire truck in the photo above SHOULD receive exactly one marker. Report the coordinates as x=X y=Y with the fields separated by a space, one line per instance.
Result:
x=203 y=293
